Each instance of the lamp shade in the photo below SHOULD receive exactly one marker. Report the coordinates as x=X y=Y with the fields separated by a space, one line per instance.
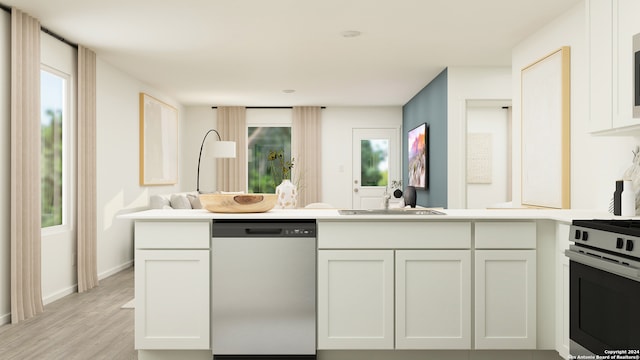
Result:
x=222 y=149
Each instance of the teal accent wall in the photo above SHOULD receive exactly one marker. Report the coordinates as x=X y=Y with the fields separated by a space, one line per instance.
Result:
x=429 y=106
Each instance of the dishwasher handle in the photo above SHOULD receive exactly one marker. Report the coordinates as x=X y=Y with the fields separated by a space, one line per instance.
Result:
x=263 y=231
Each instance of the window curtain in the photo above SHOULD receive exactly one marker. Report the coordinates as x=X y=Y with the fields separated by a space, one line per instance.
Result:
x=86 y=172
x=26 y=291
x=306 y=149
x=231 y=174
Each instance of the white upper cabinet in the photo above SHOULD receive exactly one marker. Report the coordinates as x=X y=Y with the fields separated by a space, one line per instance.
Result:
x=611 y=25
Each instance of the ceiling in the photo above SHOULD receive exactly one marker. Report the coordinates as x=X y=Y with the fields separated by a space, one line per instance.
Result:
x=246 y=52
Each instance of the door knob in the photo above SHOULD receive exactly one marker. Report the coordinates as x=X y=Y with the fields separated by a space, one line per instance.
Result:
x=355 y=190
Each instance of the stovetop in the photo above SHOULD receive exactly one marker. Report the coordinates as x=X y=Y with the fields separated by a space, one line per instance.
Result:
x=624 y=227
x=620 y=237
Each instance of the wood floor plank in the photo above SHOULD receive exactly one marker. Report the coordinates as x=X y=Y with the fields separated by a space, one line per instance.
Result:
x=84 y=326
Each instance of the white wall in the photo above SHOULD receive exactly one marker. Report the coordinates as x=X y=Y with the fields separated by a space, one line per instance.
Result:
x=118 y=163
x=596 y=162
x=197 y=121
x=465 y=84
x=5 y=165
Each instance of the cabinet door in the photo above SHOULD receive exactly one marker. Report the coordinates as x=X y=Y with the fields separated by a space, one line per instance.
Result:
x=172 y=299
x=505 y=299
x=355 y=299
x=433 y=299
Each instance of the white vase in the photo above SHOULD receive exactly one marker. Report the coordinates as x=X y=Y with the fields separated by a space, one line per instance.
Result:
x=287 y=195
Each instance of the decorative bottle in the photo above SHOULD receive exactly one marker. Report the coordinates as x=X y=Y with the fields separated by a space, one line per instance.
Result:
x=617 y=198
x=628 y=200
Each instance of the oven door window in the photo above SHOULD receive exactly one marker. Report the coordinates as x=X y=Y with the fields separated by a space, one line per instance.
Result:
x=604 y=310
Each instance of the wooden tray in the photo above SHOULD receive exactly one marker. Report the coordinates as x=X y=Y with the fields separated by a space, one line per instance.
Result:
x=238 y=203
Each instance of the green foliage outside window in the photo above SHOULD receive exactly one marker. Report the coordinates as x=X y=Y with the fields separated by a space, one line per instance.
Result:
x=263 y=142
x=51 y=168
x=374 y=165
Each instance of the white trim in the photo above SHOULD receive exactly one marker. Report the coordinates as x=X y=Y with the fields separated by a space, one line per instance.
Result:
x=60 y=294
x=5 y=319
x=115 y=270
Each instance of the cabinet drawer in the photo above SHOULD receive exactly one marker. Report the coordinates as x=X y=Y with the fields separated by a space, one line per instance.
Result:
x=172 y=234
x=505 y=235
x=394 y=235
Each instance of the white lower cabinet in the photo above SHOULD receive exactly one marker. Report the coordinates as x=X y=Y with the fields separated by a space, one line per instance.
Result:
x=433 y=299
x=172 y=307
x=357 y=299
x=172 y=285
x=505 y=299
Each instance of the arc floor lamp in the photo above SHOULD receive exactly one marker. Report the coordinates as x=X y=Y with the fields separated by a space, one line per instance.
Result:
x=218 y=149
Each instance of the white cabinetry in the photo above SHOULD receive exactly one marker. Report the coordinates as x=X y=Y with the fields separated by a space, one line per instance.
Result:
x=172 y=285
x=355 y=299
x=611 y=25
x=362 y=291
x=433 y=299
x=562 y=291
x=505 y=286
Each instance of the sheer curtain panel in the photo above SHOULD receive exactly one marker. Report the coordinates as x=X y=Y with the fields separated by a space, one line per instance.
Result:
x=86 y=173
x=305 y=149
x=231 y=174
x=26 y=291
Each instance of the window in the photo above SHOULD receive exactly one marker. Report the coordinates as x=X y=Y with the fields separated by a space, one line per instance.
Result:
x=52 y=122
x=374 y=157
x=263 y=174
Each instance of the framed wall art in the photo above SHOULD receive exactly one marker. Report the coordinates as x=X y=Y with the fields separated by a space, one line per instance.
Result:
x=418 y=151
x=546 y=131
x=158 y=142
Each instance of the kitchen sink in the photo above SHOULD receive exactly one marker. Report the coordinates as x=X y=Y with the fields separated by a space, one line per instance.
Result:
x=400 y=211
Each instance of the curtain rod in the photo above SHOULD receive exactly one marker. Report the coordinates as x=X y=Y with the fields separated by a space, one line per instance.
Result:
x=269 y=107
x=47 y=31
x=44 y=29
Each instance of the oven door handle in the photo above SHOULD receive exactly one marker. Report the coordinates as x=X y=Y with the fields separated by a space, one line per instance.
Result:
x=599 y=263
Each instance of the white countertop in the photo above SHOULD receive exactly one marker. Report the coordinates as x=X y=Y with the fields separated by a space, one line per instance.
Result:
x=332 y=215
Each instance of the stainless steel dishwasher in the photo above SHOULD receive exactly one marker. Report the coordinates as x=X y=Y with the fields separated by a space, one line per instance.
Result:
x=263 y=289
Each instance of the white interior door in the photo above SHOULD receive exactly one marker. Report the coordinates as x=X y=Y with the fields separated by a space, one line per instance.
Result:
x=376 y=162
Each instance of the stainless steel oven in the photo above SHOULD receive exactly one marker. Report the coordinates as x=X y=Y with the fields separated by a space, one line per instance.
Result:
x=604 y=273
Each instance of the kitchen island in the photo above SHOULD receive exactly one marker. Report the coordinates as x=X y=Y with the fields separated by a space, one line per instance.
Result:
x=469 y=283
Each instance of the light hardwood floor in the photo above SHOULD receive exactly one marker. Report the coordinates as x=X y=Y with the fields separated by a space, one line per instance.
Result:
x=79 y=326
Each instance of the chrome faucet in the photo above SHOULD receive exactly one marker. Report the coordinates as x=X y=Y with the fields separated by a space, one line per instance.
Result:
x=385 y=199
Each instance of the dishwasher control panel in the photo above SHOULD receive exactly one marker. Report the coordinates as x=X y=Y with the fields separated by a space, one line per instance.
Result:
x=263 y=228
x=300 y=232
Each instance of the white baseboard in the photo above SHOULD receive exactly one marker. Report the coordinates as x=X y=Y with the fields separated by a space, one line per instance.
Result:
x=5 y=319
x=73 y=289
x=115 y=270
x=59 y=295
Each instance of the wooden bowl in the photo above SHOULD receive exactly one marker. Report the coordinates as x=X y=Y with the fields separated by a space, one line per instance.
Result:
x=238 y=203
